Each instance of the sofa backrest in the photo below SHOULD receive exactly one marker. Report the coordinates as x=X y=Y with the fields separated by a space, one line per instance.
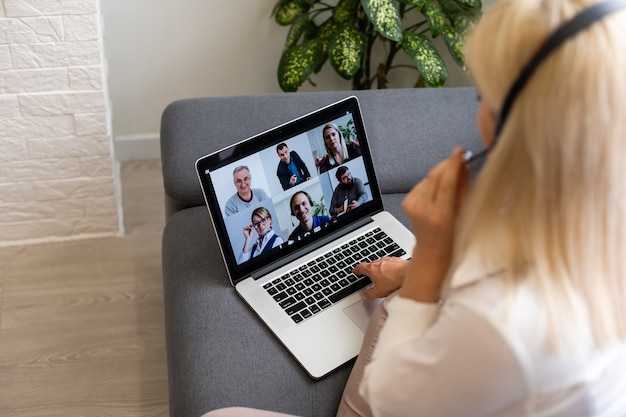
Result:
x=409 y=131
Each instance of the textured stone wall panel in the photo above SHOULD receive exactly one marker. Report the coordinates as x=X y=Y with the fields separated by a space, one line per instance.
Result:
x=56 y=170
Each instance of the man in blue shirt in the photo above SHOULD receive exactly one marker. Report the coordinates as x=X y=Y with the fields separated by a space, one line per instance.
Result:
x=291 y=169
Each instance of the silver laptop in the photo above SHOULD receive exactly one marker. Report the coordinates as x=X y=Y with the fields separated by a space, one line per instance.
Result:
x=292 y=221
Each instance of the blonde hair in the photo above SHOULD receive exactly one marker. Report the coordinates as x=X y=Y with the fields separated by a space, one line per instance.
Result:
x=261 y=212
x=344 y=148
x=554 y=186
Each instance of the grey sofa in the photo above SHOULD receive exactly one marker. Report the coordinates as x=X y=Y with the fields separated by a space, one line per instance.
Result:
x=218 y=352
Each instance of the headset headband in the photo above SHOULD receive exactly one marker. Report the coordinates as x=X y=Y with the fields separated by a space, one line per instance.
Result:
x=578 y=23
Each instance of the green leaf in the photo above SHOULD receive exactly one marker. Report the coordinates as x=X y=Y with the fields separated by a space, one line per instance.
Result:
x=462 y=16
x=436 y=18
x=327 y=30
x=455 y=7
x=428 y=61
x=474 y=4
x=288 y=13
x=278 y=5
x=345 y=11
x=297 y=64
x=385 y=17
x=455 y=43
x=299 y=26
x=304 y=3
x=325 y=33
x=346 y=50
x=310 y=32
x=462 y=23
x=418 y=3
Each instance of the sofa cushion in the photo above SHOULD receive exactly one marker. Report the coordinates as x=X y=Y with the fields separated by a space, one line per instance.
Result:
x=219 y=353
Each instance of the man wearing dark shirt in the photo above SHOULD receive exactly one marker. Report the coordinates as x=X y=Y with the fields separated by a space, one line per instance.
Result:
x=349 y=194
x=291 y=169
x=301 y=206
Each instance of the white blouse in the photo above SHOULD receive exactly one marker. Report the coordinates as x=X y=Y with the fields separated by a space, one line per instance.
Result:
x=245 y=256
x=480 y=353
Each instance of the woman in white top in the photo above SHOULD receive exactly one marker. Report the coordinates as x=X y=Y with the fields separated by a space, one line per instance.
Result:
x=514 y=302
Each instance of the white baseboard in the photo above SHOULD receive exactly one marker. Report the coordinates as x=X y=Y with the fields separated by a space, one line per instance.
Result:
x=133 y=147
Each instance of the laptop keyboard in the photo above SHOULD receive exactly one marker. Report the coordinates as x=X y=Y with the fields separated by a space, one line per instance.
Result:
x=328 y=279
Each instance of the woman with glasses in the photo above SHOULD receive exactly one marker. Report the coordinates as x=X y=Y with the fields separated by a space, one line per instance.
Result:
x=267 y=238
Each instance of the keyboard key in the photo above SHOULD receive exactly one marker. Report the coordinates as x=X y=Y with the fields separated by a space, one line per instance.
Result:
x=340 y=295
x=280 y=296
x=315 y=286
x=287 y=302
x=295 y=308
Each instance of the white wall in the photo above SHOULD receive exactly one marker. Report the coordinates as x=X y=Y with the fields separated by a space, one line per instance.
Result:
x=162 y=50
x=56 y=171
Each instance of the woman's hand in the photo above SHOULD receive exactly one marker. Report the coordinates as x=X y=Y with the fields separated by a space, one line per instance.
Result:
x=247 y=231
x=320 y=160
x=247 y=234
x=386 y=273
x=432 y=207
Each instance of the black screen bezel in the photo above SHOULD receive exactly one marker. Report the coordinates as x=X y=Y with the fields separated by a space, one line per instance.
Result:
x=271 y=138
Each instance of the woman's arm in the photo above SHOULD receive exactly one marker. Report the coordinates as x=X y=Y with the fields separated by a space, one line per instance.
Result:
x=440 y=362
x=432 y=207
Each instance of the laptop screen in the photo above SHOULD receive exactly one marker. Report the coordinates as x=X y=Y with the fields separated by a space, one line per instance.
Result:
x=290 y=188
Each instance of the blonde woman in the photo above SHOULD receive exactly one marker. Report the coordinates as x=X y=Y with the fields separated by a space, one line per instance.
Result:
x=514 y=301
x=266 y=240
x=337 y=151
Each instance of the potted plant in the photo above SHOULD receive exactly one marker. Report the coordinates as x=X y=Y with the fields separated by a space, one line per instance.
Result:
x=348 y=132
x=319 y=208
x=345 y=33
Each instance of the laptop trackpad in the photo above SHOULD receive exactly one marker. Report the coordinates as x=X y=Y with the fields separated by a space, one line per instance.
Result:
x=360 y=312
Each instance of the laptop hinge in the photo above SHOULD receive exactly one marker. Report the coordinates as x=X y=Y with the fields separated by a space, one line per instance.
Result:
x=298 y=254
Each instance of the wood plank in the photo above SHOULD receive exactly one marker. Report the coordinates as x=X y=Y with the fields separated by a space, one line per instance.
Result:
x=81 y=322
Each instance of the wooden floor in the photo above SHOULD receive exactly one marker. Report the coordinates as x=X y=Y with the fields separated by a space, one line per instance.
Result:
x=81 y=323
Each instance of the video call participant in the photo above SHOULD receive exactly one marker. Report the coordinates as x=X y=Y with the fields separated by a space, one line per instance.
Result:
x=301 y=206
x=267 y=239
x=349 y=194
x=337 y=151
x=291 y=169
x=246 y=196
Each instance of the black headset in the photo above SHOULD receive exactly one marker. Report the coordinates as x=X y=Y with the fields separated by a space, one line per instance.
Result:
x=567 y=30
